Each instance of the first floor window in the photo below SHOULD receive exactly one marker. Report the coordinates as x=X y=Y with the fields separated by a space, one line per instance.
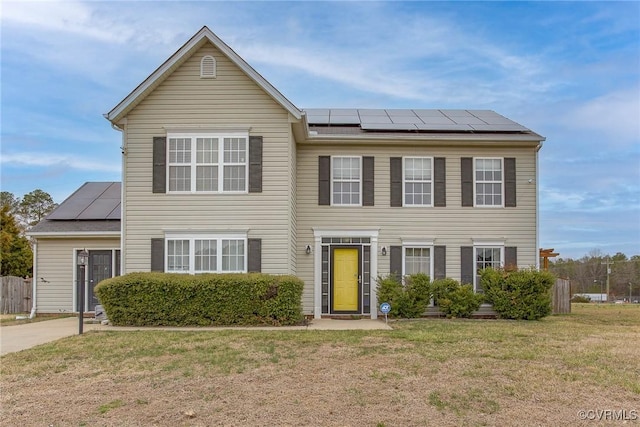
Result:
x=417 y=260
x=206 y=254
x=486 y=257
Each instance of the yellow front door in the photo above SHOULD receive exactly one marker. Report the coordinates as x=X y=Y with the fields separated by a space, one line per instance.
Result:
x=345 y=279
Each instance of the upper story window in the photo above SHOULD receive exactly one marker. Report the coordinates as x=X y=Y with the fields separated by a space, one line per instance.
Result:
x=208 y=67
x=206 y=254
x=488 y=179
x=346 y=180
x=417 y=181
x=207 y=163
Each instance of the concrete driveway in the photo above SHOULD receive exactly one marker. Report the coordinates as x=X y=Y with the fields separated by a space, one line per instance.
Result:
x=20 y=337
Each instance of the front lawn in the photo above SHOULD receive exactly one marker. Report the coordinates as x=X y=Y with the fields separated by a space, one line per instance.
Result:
x=428 y=372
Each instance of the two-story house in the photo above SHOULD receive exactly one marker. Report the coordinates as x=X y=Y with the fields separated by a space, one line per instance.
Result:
x=222 y=173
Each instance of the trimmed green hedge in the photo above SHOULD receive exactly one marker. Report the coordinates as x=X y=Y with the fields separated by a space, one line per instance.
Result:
x=164 y=299
x=521 y=294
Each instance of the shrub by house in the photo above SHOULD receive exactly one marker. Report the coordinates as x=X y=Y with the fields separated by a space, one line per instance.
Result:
x=163 y=299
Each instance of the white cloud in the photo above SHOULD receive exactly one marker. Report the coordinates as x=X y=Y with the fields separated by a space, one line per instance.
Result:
x=40 y=159
x=69 y=17
x=615 y=114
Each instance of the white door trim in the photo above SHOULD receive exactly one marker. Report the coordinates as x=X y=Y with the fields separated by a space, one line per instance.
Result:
x=319 y=234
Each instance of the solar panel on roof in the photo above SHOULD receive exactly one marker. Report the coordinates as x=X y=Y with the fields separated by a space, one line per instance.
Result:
x=376 y=119
x=456 y=113
x=438 y=120
x=406 y=119
x=389 y=126
x=344 y=119
x=467 y=120
x=401 y=112
x=513 y=127
x=82 y=204
x=451 y=127
x=372 y=112
x=428 y=113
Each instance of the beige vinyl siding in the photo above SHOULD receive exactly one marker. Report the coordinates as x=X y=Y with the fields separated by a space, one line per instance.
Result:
x=55 y=263
x=453 y=225
x=293 y=221
x=231 y=99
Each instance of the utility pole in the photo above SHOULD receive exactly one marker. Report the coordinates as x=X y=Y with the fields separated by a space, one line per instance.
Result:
x=608 y=264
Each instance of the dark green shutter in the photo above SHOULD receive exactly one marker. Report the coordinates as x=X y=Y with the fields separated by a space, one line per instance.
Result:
x=159 y=164
x=367 y=181
x=324 y=180
x=396 y=181
x=439 y=182
x=255 y=164
x=510 y=182
x=157 y=254
x=466 y=264
x=395 y=261
x=254 y=254
x=466 y=167
x=439 y=262
x=510 y=257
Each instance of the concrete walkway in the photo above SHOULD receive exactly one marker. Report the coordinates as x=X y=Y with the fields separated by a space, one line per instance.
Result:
x=20 y=337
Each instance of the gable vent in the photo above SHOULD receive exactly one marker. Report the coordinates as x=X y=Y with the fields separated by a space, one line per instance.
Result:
x=208 y=67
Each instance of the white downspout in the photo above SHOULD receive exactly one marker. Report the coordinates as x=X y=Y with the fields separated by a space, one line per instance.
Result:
x=537 y=248
x=34 y=280
x=123 y=149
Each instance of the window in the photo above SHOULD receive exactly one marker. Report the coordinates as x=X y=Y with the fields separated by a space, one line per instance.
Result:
x=417 y=181
x=488 y=182
x=200 y=163
x=206 y=254
x=417 y=260
x=346 y=180
x=486 y=257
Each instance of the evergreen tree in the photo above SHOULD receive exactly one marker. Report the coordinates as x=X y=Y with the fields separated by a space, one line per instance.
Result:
x=15 y=253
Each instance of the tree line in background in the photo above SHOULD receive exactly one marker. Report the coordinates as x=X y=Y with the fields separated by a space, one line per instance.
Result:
x=17 y=215
x=589 y=274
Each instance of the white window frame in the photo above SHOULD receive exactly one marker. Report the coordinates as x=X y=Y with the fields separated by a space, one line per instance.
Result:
x=404 y=181
x=488 y=245
x=220 y=136
x=191 y=238
x=476 y=182
x=333 y=203
x=417 y=245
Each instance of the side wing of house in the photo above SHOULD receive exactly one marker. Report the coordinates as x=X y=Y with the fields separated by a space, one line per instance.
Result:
x=88 y=220
x=58 y=275
x=445 y=204
x=207 y=170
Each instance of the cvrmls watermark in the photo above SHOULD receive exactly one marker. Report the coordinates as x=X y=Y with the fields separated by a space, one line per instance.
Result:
x=609 y=415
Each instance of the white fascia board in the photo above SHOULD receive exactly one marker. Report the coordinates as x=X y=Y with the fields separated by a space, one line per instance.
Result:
x=179 y=55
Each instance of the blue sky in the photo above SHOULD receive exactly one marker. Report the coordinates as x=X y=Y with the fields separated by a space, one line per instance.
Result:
x=568 y=70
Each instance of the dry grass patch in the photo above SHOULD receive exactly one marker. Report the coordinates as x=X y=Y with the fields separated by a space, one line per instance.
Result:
x=431 y=372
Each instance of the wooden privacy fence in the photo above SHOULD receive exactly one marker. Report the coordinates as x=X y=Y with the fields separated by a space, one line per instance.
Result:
x=561 y=297
x=15 y=295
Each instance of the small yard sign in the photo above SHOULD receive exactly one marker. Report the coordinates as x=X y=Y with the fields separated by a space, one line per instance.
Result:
x=385 y=307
